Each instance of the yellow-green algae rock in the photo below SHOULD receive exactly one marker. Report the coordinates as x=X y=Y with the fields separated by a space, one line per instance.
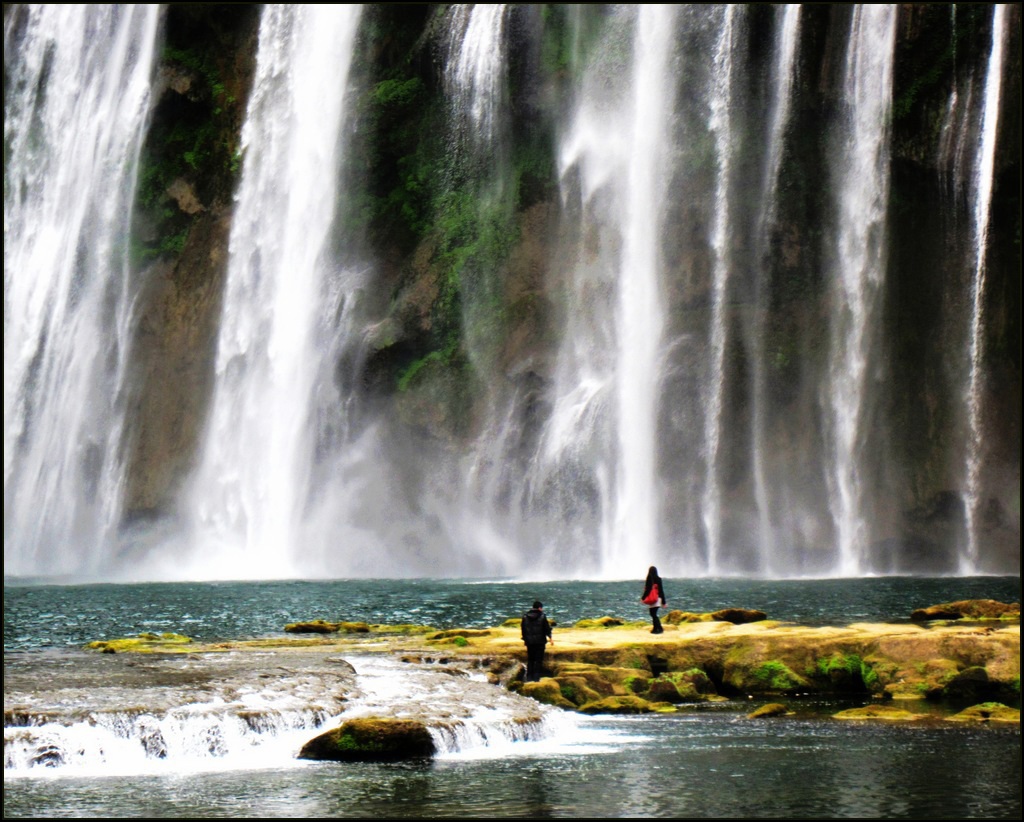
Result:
x=322 y=626
x=548 y=692
x=988 y=712
x=968 y=609
x=769 y=709
x=403 y=629
x=739 y=616
x=678 y=617
x=747 y=671
x=143 y=643
x=371 y=739
x=577 y=690
x=677 y=687
x=622 y=705
x=887 y=712
x=604 y=681
x=460 y=632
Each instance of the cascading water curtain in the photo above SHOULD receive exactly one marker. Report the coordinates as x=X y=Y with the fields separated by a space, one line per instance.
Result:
x=593 y=481
x=982 y=187
x=768 y=499
x=251 y=490
x=859 y=259
x=76 y=100
x=475 y=76
x=722 y=230
x=634 y=536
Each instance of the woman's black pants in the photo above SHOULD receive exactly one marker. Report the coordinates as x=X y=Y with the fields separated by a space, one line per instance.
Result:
x=657 y=629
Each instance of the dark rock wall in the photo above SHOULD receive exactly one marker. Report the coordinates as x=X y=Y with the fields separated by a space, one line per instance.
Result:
x=187 y=178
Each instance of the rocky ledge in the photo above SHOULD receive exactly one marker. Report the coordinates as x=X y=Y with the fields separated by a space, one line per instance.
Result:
x=951 y=657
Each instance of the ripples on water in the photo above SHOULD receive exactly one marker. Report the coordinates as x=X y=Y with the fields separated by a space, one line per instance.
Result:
x=57 y=616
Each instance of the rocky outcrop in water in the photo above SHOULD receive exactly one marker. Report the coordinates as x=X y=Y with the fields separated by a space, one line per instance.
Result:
x=371 y=739
x=968 y=609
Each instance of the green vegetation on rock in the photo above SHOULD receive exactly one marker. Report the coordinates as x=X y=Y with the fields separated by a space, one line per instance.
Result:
x=372 y=739
x=191 y=157
x=777 y=676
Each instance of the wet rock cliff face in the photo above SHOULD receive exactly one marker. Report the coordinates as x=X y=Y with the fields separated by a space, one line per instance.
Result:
x=187 y=178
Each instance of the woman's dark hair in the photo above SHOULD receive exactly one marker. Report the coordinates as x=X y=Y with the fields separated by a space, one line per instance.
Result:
x=652 y=572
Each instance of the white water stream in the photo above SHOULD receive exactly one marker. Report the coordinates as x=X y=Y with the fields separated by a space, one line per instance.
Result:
x=252 y=489
x=772 y=502
x=982 y=187
x=722 y=231
x=475 y=74
x=640 y=309
x=75 y=111
x=861 y=186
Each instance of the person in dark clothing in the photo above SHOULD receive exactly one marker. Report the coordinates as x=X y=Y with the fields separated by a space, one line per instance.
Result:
x=536 y=635
x=654 y=598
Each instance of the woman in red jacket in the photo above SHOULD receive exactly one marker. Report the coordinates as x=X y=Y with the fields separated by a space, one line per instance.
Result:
x=654 y=598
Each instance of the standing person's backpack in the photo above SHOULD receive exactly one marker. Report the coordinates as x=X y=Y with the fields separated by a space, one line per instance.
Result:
x=654 y=597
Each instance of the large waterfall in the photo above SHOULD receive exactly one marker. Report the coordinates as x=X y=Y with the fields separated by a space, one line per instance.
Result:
x=529 y=290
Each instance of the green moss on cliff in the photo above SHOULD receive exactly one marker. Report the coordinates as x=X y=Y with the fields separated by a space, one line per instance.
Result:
x=190 y=159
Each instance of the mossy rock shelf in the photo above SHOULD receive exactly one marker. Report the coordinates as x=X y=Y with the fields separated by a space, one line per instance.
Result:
x=606 y=664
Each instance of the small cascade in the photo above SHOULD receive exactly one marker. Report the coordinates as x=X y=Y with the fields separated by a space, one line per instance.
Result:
x=133 y=742
x=861 y=186
x=76 y=102
x=284 y=292
x=982 y=189
x=475 y=72
x=487 y=728
x=221 y=712
x=100 y=714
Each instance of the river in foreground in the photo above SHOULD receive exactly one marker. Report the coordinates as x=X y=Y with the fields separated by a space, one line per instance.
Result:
x=708 y=762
